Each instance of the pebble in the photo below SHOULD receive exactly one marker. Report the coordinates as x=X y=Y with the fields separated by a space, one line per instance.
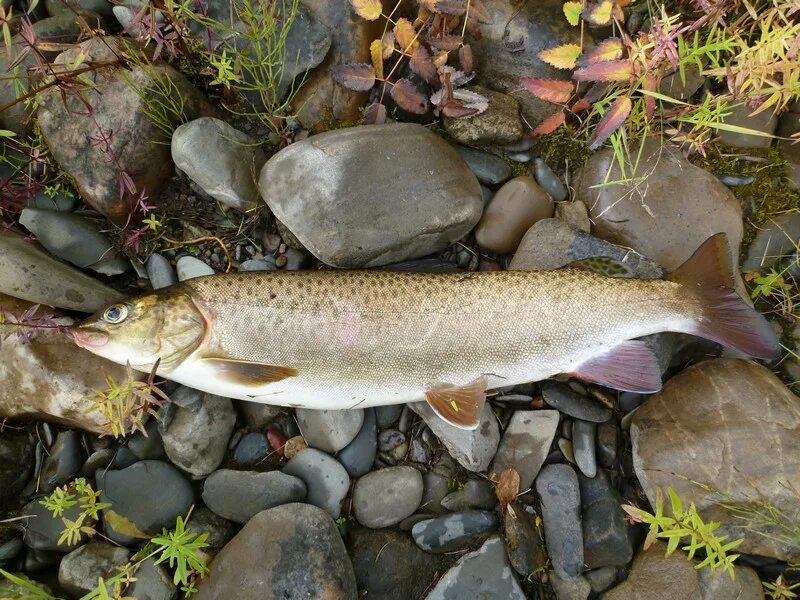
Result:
x=329 y=430
x=218 y=530
x=387 y=415
x=295 y=259
x=240 y=495
x=294 y=446
x=773 y=242
x=454 y=531
x=16 y=465
x=42 y=529
x=326 y=479
x=568 y=401
x=606 y=540
x=80 y=569
x=584 y=434
x=735 y=180
x=387 y=496
x=419 y=452
x=575 y=214
x=550 y=182
x=488 y=168
x=251 y=449
x=570 y=588
x=147 y=445
x=601 y=579
x=389 y=439
x=257 y=415
x=152 y=581
x=160 y=272
x=485 y=573
x=63 y=463
x=523 y=544
x=190 y=267
x=607 y=443
x=525 y=444
x=567 y=451
x=261 y=264
x=740 y=116
x=557 y=485
x=477 y=493
x=357 y=457
x=60 y=202
x=436 y=488
x=500 y=123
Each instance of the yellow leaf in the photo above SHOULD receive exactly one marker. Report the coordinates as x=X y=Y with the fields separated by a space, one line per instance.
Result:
x=367 y=9
x=124 y=526
x=388 y=44
x=376 y=52
x=405 y=35
x=572 y=10
x=601 y=14
x=561 y=57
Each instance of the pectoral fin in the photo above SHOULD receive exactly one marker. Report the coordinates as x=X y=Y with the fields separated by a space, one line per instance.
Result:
x=461 y=406
x=247 y=373
x=631 y=367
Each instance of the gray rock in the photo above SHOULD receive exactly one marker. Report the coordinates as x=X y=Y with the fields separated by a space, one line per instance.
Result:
x=557 y=486
x=145 y=498
x=16 y=465
x=218 y=529
x=265 y=264
x=160 y=272
x=606 y=542
x=60 y=202
x=436 y=488
x=292 y=552
x=222 y=160
x=477 y=493
x=80 y=569
x=190 y=267
x=388 y=415
x=740 y=116
x=682 y=85
x=744 y=585
x=570 y=588
x=357 y=179
x=240 y=495
x=147 y=446
x=454 y=531
x=196 y=437
x=484 y=574
x=357 y=457
x=773 y=242
x=326 y=479
x=101 y=459
x=550 y=182
x=152 y=581
x=251 y=449
x=29 y=273
x=568 y=401
x=43 y=530
x=499 y=124
x=257 y=415
x=329 y=430
x=575 y=214
x=601 y=579
x=488 y=168
x=584 y=435
x=74 y=238
x=655 y=576
x=525 y=444
x=523 y=543
x=607 y=443
x=387 y=496
x=10 y=549
x=63 y=462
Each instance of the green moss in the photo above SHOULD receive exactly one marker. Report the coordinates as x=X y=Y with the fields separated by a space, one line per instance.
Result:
x=518 y=169
x=565 y=144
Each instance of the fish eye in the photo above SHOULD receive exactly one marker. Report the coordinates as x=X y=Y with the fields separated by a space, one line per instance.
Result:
x=116 y=313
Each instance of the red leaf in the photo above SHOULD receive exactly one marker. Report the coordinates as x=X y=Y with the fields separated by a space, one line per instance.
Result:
x=610 y=49
x=613 y=70
x=375 y=114
x=465 y=58
x=422 y=64
x=358 y=77
x=409 y=98
x=580 y=105
x=550 y=124
x=551 y=90
x=611 y=121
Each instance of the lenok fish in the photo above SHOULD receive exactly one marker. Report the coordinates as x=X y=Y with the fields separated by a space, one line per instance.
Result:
x=345 y=339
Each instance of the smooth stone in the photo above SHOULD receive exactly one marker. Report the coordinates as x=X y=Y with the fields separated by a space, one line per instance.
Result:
x=601 y=579
x=557 y=485
x=101 y=459
x=584 y=434
x=145 y=498
x=570 y=588
x=682 y=85
x=454 y=531
x=264 y=264
x=525 y=552
x=477 y=493
x=16 y=465
x=147 y=445
x=565 y=446
x=63 y=462
x=735 y=180
x=788 y=124
x=257 y=415
x=666 y=216
x=76 y=239
x=389 y=439
x=292 y=552
x=388 y=414
x=80 y=569
x=387 y=496
x=436 y=488
x=326 y=479
x=488 y=168
x=709 y=425
x=575 y=214
x=550 y=182
x=525 y=444
x=60 y=202
x=740 y=116
x=218 y=530
x=606 y=542
x=511 y=212
x=773 y=242
x=329 y=430
x=152 y=581
x=499 y=124
x=570 y=402
x=357 y=179
x=357 y=457
x=29 y=273
x=607 y=443
x=222 y=160
x=190 y=267
x=251 y=449
x=791 y=152
x=196 y=437
x=473 y=449
x=485 y=573
x=160 y=272
x=10 y=549
x=240 y=495
x=43 y=530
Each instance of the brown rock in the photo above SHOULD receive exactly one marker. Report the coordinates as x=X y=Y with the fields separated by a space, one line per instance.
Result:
x=511 y=212
x=741 y=116
x=666 y=211
x=574 y=214
x=732 y=425
x=498 y=124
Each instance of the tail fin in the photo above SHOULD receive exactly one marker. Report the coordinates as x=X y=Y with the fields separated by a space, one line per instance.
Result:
x=726 y=318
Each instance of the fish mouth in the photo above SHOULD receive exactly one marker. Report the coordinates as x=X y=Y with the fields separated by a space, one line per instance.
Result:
x=89 y=338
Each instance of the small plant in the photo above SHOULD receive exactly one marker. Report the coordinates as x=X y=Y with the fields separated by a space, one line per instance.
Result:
x=24 y=588
x=80 y=493
x=26 y=324
x=780 y=590
x=686 y=524
x=181 y=550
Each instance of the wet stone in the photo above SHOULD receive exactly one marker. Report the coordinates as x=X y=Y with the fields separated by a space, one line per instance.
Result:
x=488 y=168
x=190 y=267
x=329 y=430
x=570 y=402
x=357 y=457
x=557 y=486
x=584 y=434
x=606 y=542
x=607 y=443
x=43 y=530
x=387 y=496
x=326 y=479
x=524 y=547
x=550 y=182
x=453 y=531
x=148 y=446
x=525 y=444
x=388 y=415
x=251 y=449
x=436 y=488
x=64 y=461
x=240 y=495
x=477 y=493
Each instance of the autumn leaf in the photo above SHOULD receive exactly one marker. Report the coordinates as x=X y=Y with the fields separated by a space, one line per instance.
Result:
x=551 y=90
x=612 y=70
x=405 y=35
x=422 y=64
x=471 y=100
x=561 y=57
x=607 y=50
x=507 y=487
x=611 y=121
x=465 y=58
x=456 y=110
x=408 y=97
x=367 y=9
x=388 y=44
x=550 y=124
x=376 y=53
x=572 y=11
x=449 y=7
x=445 y=42
x=375 y=114
x=580 y=105
x=650 y=84
x=358 y=77
x=440 y=60
x=599 y=14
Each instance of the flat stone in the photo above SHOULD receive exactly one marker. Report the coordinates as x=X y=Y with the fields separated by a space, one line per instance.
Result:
x=326 y=479
x=682 y=85
x=357 y=179
x=607 y=443
x=584 y=434
x=454 y=531
x=387 y=415
x=387 y=496
x=359 y=455
x=601 y=579
x=774 y=241
x=43 y=530
x=557 y=486
x=436 y=489
x=190 y=267
x=257 y=415
x=525 y=551
x=251 y=449
x=240 y=495
x=218 y=530
x=488 y=168
x=64 y=461
x=499 y=124
x=568 y=401
x=329 y=430
x=476 y=493
x=259 y=265
x=740 y=116
x=525 y=444
x=80 y=569
x=160 y=272
x=606 y=542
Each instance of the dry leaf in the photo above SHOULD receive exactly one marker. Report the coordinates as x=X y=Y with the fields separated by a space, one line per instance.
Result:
x=367 y=9
x=445 y=42
x=388 y=44
x=471 y=101
x=572 y=11
x=561 y=57
x=507 y=487
x=358 y=77
x=409 y=98
x=612 y=70
x=552 y=90
x=405 y=35
x=376 y=53
x=478 y=12
x=580 y=105
x=599 y=14
x=440 y=60
x=457 y=110
x=611 y=121
x=610 y=49
x=422 y=64
x=650 y=84
x=465 y=58
x=550 y=124
x=375 y=114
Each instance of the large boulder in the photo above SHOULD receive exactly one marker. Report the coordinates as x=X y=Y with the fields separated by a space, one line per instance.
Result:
x=731 y=425
x=372 y=195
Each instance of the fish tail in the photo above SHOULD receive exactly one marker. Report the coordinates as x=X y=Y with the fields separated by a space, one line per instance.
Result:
x=725 y=318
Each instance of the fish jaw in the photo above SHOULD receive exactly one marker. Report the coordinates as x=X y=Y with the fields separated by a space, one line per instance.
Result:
x=88 y=338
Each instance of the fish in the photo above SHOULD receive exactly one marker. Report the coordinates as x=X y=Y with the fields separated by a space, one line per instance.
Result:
x=338 y=339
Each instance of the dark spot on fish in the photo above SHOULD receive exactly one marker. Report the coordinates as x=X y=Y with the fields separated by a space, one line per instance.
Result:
x=74 y=296
x=272 y=295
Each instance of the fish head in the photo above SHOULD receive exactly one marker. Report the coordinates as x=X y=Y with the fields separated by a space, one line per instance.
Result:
x=164 y=328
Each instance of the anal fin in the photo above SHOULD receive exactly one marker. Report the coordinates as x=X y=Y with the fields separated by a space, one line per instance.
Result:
x=461 y=406
x=248 y=373
x=631 y=367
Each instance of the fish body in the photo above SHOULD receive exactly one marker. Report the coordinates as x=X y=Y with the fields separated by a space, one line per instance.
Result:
x=345 y=339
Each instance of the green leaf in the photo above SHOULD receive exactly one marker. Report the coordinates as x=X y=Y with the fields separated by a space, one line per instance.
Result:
x=572 y=11
x=6 y=133
x=675 y=501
